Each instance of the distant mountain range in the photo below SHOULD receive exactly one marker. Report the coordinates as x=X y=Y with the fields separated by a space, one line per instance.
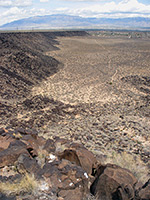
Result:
x=71 y=22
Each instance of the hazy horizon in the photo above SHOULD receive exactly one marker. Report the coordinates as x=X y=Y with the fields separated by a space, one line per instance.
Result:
x=11 y=10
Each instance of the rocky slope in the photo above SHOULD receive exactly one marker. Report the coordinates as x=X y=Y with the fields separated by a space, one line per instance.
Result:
x=32 y=167
x=23 y=64
x=92 y=90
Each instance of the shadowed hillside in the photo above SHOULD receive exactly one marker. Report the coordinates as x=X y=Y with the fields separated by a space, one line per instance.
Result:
x=23 y=60
x=24 y=63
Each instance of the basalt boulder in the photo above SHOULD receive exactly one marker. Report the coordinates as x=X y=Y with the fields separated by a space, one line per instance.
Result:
x=144 y=193
x=66 y=180
x=65 y=170
x=76 y=153
x=113 y=183
x=10 y=155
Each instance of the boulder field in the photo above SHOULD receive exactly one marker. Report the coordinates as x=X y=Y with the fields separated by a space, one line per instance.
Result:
x=39 y=168
x=88 y=97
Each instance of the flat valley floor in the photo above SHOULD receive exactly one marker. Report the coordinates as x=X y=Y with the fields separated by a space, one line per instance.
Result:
x=93 y=68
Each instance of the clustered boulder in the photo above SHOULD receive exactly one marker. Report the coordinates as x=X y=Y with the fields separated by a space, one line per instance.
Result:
x=62 y=169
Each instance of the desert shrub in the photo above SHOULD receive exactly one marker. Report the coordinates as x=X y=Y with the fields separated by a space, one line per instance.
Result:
x=27 y=184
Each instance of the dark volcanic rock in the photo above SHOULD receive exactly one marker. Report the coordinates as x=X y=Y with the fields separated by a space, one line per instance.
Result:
x=24 y=63
x=27 y=164
x=144 y=193
x=33 y=145
x=10 y=155
x=23 y=60
x=67 y=180
x=113 y=182
x=79 y=155
x=4 y=197
x=5 y=142
x=62 y=178
x=63 y=170
x=49 y=146
x=120 y=123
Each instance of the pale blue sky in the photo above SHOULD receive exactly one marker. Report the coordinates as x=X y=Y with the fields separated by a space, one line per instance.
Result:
x=11 y=10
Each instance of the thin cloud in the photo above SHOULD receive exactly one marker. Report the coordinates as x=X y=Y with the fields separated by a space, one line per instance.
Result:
x=16 y=9
x=124 y=8
x=5 y=3
x=44 y=1
x=15 y=3
x=87 y=0
x=15 y=13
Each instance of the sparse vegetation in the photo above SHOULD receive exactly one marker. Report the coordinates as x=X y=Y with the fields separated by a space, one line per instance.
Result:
x=28 y=183
x=99 y=97
x=131 y=162
x=42 y=154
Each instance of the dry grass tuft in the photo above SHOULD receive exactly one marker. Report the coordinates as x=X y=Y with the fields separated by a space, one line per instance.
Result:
x=131 y=162
x=41 y=157
x=26 y=184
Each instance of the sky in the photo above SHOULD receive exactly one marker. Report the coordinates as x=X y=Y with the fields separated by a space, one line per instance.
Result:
x=11 y=10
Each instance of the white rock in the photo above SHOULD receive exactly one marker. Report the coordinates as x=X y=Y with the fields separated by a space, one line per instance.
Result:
x=85 y=174
x=70 y=184
x=44 y=186
x=52 y=158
